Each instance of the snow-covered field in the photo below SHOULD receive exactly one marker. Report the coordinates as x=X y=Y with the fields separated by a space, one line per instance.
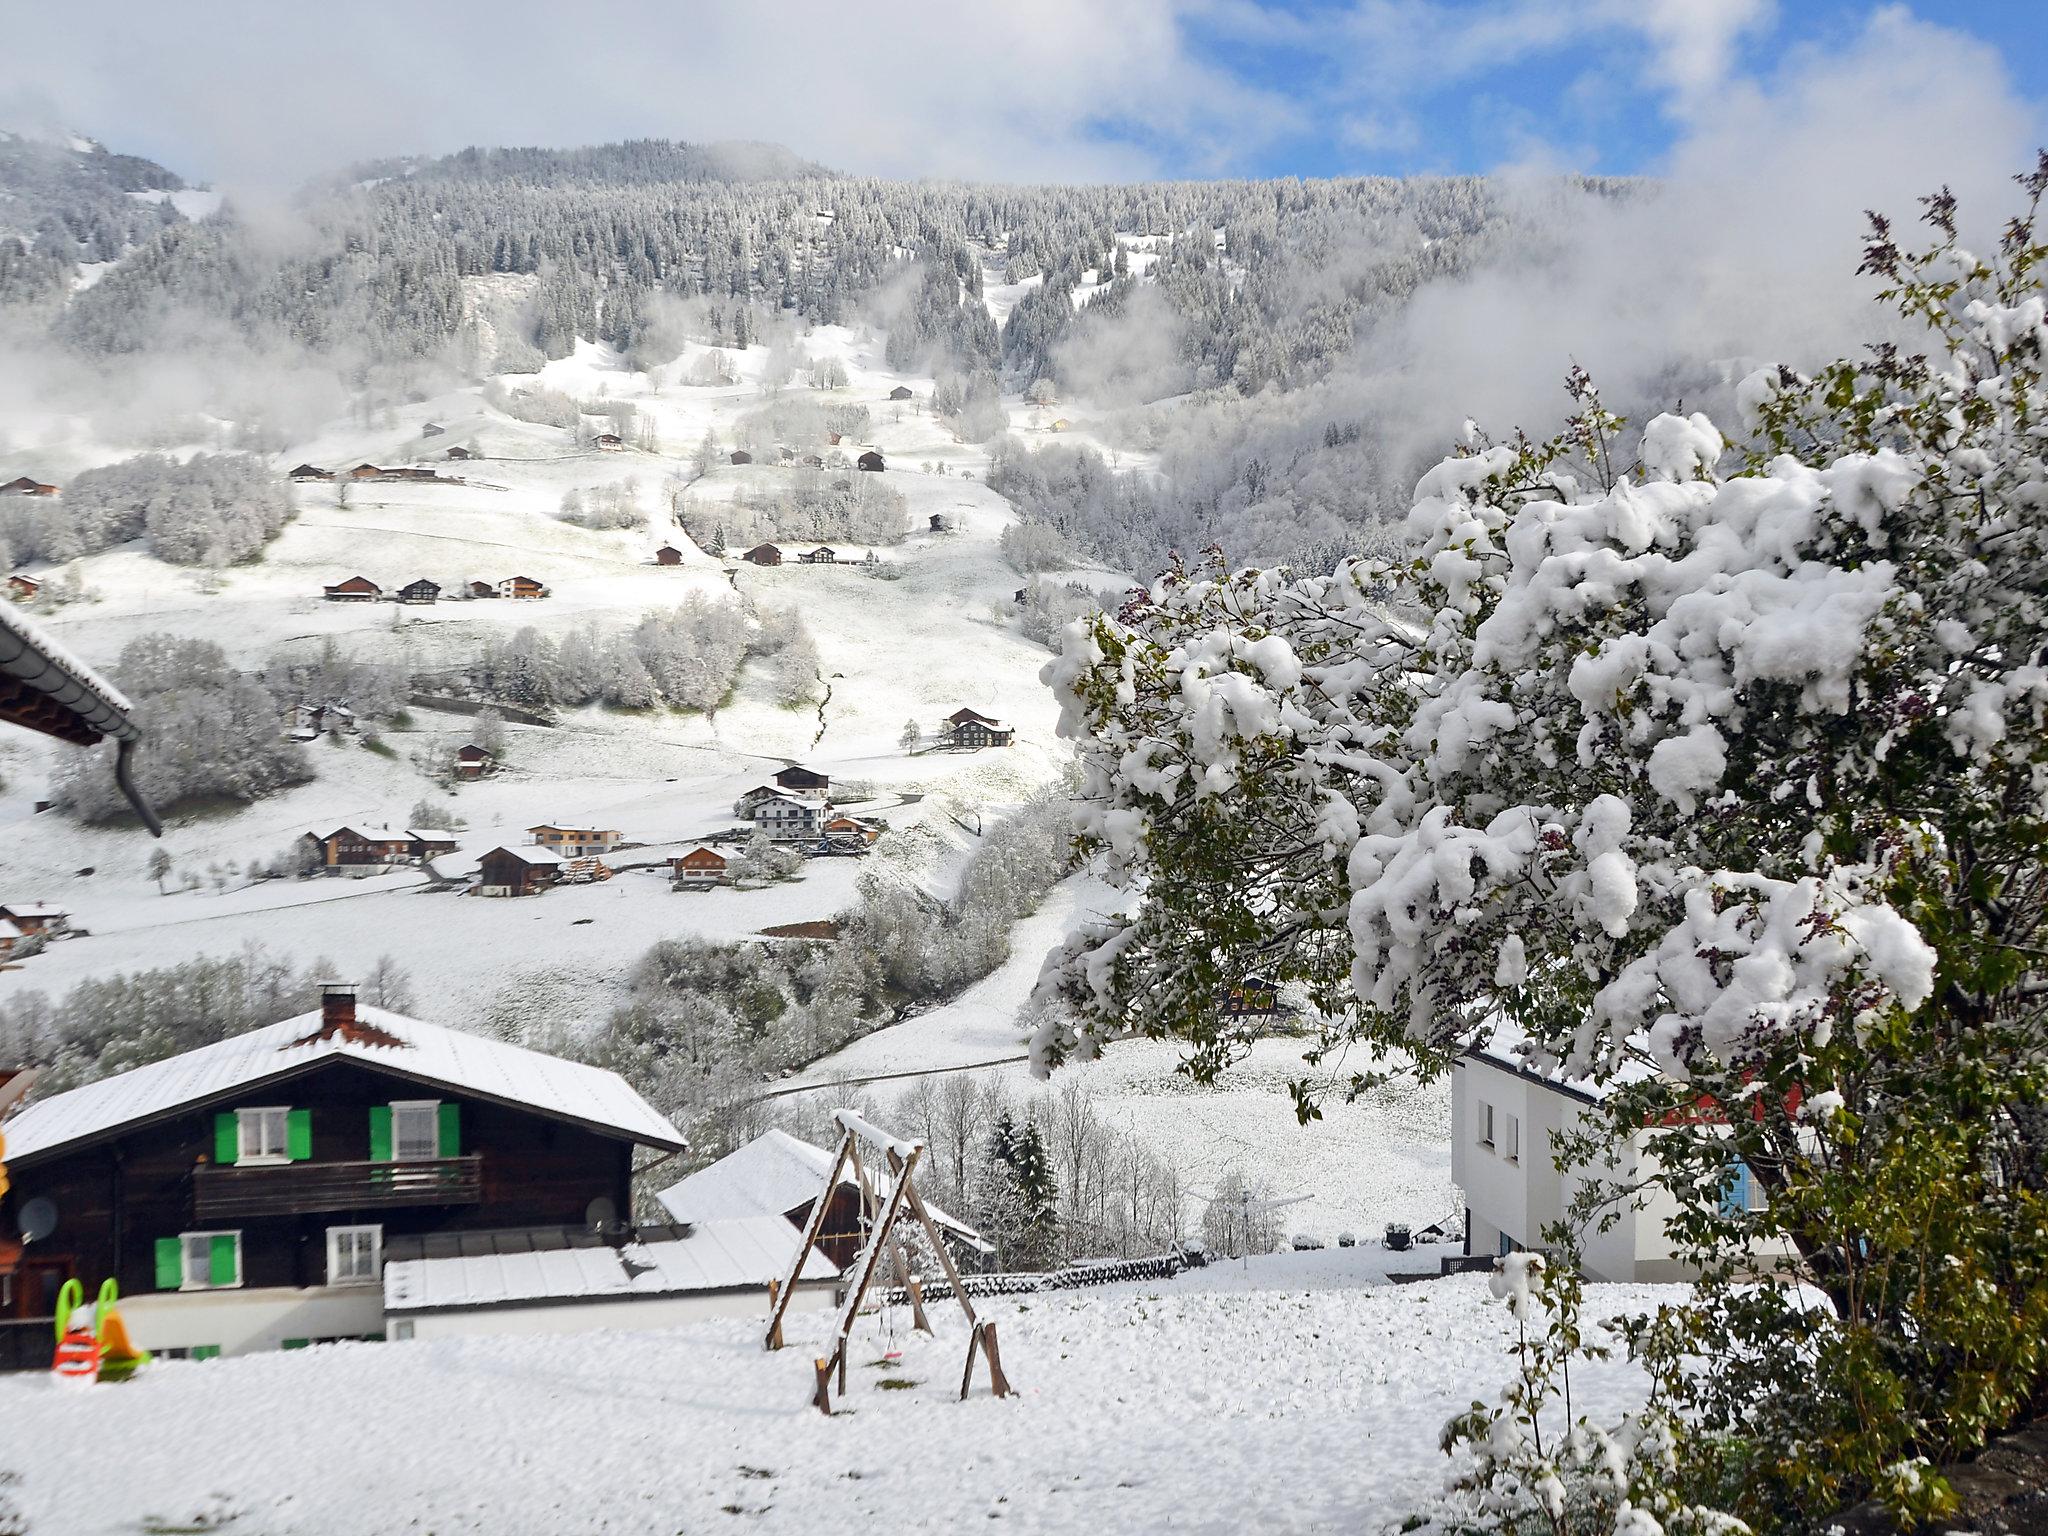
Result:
x=1298 y=1395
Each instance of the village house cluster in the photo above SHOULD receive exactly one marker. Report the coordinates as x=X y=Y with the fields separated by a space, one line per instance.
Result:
x=361 y=589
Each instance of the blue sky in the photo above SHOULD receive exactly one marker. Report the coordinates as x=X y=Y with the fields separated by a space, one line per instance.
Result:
x=261 y=95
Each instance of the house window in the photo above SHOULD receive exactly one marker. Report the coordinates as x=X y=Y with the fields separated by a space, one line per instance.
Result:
x=416 y=1130
x=1738 y=1191
x=402 y=1329
x=206 y=1261
x=1511 y=1139
x=353 y=1254
x=1485 y=1125
x=260 y=1136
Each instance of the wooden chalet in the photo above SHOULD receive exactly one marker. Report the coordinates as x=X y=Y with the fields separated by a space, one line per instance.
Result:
x=421 y=591
x=668 y=554
x=473 y=762
x=309 y=722
x=242 y=1194
x=938 y=522
x=778 y=1174
x=460 y=452
x=609 y=442
x=365 y=472
x=822 y=555
x=432 y=429
x=347 y=851
x=763 y=554
x=574 y=842
x=803 y=781
x=848 y=827
x=23 y=587
x=870 y=461
x=307 y=474
x=23 y=486
x=357 y=589
x=900 y=392
x=741 y=456
x=482 y=589
x=410 y=473
x=37 y=917
x=516 y=872
x=971 y=730
x=521 y=587
x=699 y=867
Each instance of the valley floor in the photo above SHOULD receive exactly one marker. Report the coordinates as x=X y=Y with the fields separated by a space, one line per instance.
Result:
x=1300 y=1393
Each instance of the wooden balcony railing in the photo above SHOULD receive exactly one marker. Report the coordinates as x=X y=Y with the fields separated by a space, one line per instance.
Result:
x=286 y=1189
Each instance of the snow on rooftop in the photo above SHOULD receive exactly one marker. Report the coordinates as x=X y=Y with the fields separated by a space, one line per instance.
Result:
x=532 y=855
x=426 y=1053
x=773 y=1174
x=506 y=1268
x=26 y=629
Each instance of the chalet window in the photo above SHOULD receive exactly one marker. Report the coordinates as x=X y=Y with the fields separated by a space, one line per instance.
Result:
x=199 y=1261
x=1511 y=1139
x=1485 y=1125
x=1738 y=1191
x=353 y=1254
x=415 y=1130
x=260 y=1136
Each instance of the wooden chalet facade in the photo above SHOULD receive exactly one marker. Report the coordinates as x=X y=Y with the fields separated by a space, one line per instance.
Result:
x=521 y=587
x=870 y=461
x=459 y=452
x=37 y=918
x=347 y=851
x=482 y=589
x=763 y=554
x=357 y=589
x=609 y=442
x=23 y=587
x=24 y=486
x=242 y=1194
x=473 y=762
x=419 y=592
x=970 y=730
x=900 y=392
x=698 y=868
x=823 y=555
x=364 y=472
x=668 y=554
x=573 y=842
x=516 y=872
x=310 y=474
x=803 y=781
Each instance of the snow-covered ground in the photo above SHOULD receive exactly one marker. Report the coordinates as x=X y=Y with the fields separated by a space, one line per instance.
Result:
x=1294 y=1395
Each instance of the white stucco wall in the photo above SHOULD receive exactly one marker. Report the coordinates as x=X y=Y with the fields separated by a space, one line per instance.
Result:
x=625 y=1314
x=238 y=1322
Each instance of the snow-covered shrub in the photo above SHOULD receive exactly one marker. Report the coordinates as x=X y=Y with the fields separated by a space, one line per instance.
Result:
x=208 y=733
x=1030 y=547
x=616 y=505
x=801 y=504
x=1716 y=779
x=213 y=509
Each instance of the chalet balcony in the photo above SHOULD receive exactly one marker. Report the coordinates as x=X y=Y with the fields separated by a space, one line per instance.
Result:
x=289 y=1189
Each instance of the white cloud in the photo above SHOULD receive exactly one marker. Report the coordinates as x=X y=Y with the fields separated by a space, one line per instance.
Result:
x=264 y=97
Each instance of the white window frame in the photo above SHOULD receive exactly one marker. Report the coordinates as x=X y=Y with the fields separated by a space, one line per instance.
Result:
x=431 y=1108
x=335 y=1235
x=185 y=1241
x=256 y=1119
x=1485 y=1124
x=1512 y=1139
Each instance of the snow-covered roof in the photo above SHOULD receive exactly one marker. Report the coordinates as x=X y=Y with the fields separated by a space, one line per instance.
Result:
x=9 y=930
x=773 y=1174
x=32 y=909
x=426 y=1053
x=430 y=834
x=530 y=855
x=512 y=1268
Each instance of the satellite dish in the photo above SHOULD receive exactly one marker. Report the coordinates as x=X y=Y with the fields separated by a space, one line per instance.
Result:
x=601 y=1215
x=38 y=1219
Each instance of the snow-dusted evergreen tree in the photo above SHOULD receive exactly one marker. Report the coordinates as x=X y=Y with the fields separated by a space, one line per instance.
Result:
x=1716 y=778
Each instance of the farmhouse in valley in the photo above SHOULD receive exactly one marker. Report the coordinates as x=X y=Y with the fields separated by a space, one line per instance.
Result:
x=775 y=1174
x=822 y=555
x=763 y=554
x=900 y=392
x=971 y=730
x=786 y=818
x=516 y=872
x=251 y=1194
x=572 y=842
x=23 y=486
x=803 y=781
x=668 y=554
x=473 y=762
x=870 y=461
x=347 y=851
x=11 y=937
x=309 y=722
x=699 y=867
x=38 y=918
x=460 y=452
x=744 y=806
x=521 y=586
x=310 y=474
x=609 y=442
x=421 y=591
x=741 y=456
x=22 y=587
x=482 y=589
x=356 y=589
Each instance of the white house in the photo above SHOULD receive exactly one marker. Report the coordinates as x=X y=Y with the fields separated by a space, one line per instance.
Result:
x=572 y=1281
x=1505 y=1120
x=786 y=819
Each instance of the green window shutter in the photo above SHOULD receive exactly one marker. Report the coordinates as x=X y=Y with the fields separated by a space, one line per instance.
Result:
x=380 y=1133
x=225 y=1259
x=294 y=1343
x=205 y=1351
x=451 y=1130
x=226 y=1138
x=298 y=1134
x=170 y=1263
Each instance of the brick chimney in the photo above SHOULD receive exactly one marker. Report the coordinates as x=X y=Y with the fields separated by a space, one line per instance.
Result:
x=337 y=1007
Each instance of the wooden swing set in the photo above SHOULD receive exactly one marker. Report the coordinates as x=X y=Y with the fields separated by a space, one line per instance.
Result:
x=901 y=1159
